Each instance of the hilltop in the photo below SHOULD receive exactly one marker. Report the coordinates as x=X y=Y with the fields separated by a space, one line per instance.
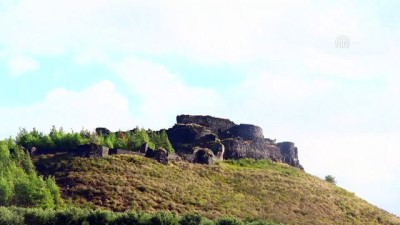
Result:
x=202 y=164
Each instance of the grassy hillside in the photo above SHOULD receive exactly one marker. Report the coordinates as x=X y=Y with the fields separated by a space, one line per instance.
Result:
x=244 y=189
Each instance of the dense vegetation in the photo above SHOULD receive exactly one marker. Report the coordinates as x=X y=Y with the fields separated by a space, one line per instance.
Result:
x=19 y=183
x=78 y=216
x=59 y=139
x=241 y=188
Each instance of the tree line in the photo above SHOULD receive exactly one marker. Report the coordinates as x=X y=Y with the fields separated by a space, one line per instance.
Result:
x=58 y=139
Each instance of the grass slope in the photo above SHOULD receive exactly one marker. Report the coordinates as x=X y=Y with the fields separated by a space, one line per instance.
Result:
x=244 y=189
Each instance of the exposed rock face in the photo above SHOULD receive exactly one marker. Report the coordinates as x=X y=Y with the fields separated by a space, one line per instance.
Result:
x=223 y=139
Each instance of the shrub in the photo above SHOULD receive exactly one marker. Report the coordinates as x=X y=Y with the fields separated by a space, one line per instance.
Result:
x=71 y=216
x=39 y=217
x=9 y=217
x=229 y=221
x=164 y=218
x=331 y=179
x=129 y=218
x=191 y=219
x=100 y=217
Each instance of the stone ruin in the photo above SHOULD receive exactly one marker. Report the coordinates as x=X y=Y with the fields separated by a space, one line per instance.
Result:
x=204 y=140
x=220 y=139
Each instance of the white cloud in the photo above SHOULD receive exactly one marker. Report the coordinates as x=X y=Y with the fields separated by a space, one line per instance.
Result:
x=163 y=94
x=22 y=64
x=210 y=32
x=96 y=106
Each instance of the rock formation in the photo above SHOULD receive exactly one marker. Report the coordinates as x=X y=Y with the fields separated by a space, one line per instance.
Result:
x=226 y=140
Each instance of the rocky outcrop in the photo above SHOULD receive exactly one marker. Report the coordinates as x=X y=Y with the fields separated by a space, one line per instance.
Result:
x=224 y=139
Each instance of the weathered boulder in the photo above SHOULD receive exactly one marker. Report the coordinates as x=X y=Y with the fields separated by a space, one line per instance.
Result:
x=203 y=156
x=92 y=151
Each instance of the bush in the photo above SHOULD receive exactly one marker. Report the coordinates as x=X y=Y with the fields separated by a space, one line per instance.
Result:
x=100 y=217
x=331 y=179
x=191 y=219
x=229 y=221
x=71 y=216
x=164 y=218
x=39 y=217
x=9 y=217
x=129 y=218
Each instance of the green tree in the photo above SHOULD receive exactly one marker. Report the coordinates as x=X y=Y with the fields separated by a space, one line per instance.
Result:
x=137 y=138
x=55 y=192
x=6 y=191
x=31 y=191
x=19 y=183
x=160 y=139
x=331 y=179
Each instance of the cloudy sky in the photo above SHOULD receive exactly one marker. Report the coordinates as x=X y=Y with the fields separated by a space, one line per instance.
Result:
x=276 y=64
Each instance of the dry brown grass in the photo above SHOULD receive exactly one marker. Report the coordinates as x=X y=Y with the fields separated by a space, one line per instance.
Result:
x=244 y=189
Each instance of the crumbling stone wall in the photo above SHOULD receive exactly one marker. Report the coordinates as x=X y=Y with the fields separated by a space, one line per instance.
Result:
x=92 y=151
x=216 y=125
x=226 y=140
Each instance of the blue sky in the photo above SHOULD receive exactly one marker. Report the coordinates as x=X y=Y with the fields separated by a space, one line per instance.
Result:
x=272 y=63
